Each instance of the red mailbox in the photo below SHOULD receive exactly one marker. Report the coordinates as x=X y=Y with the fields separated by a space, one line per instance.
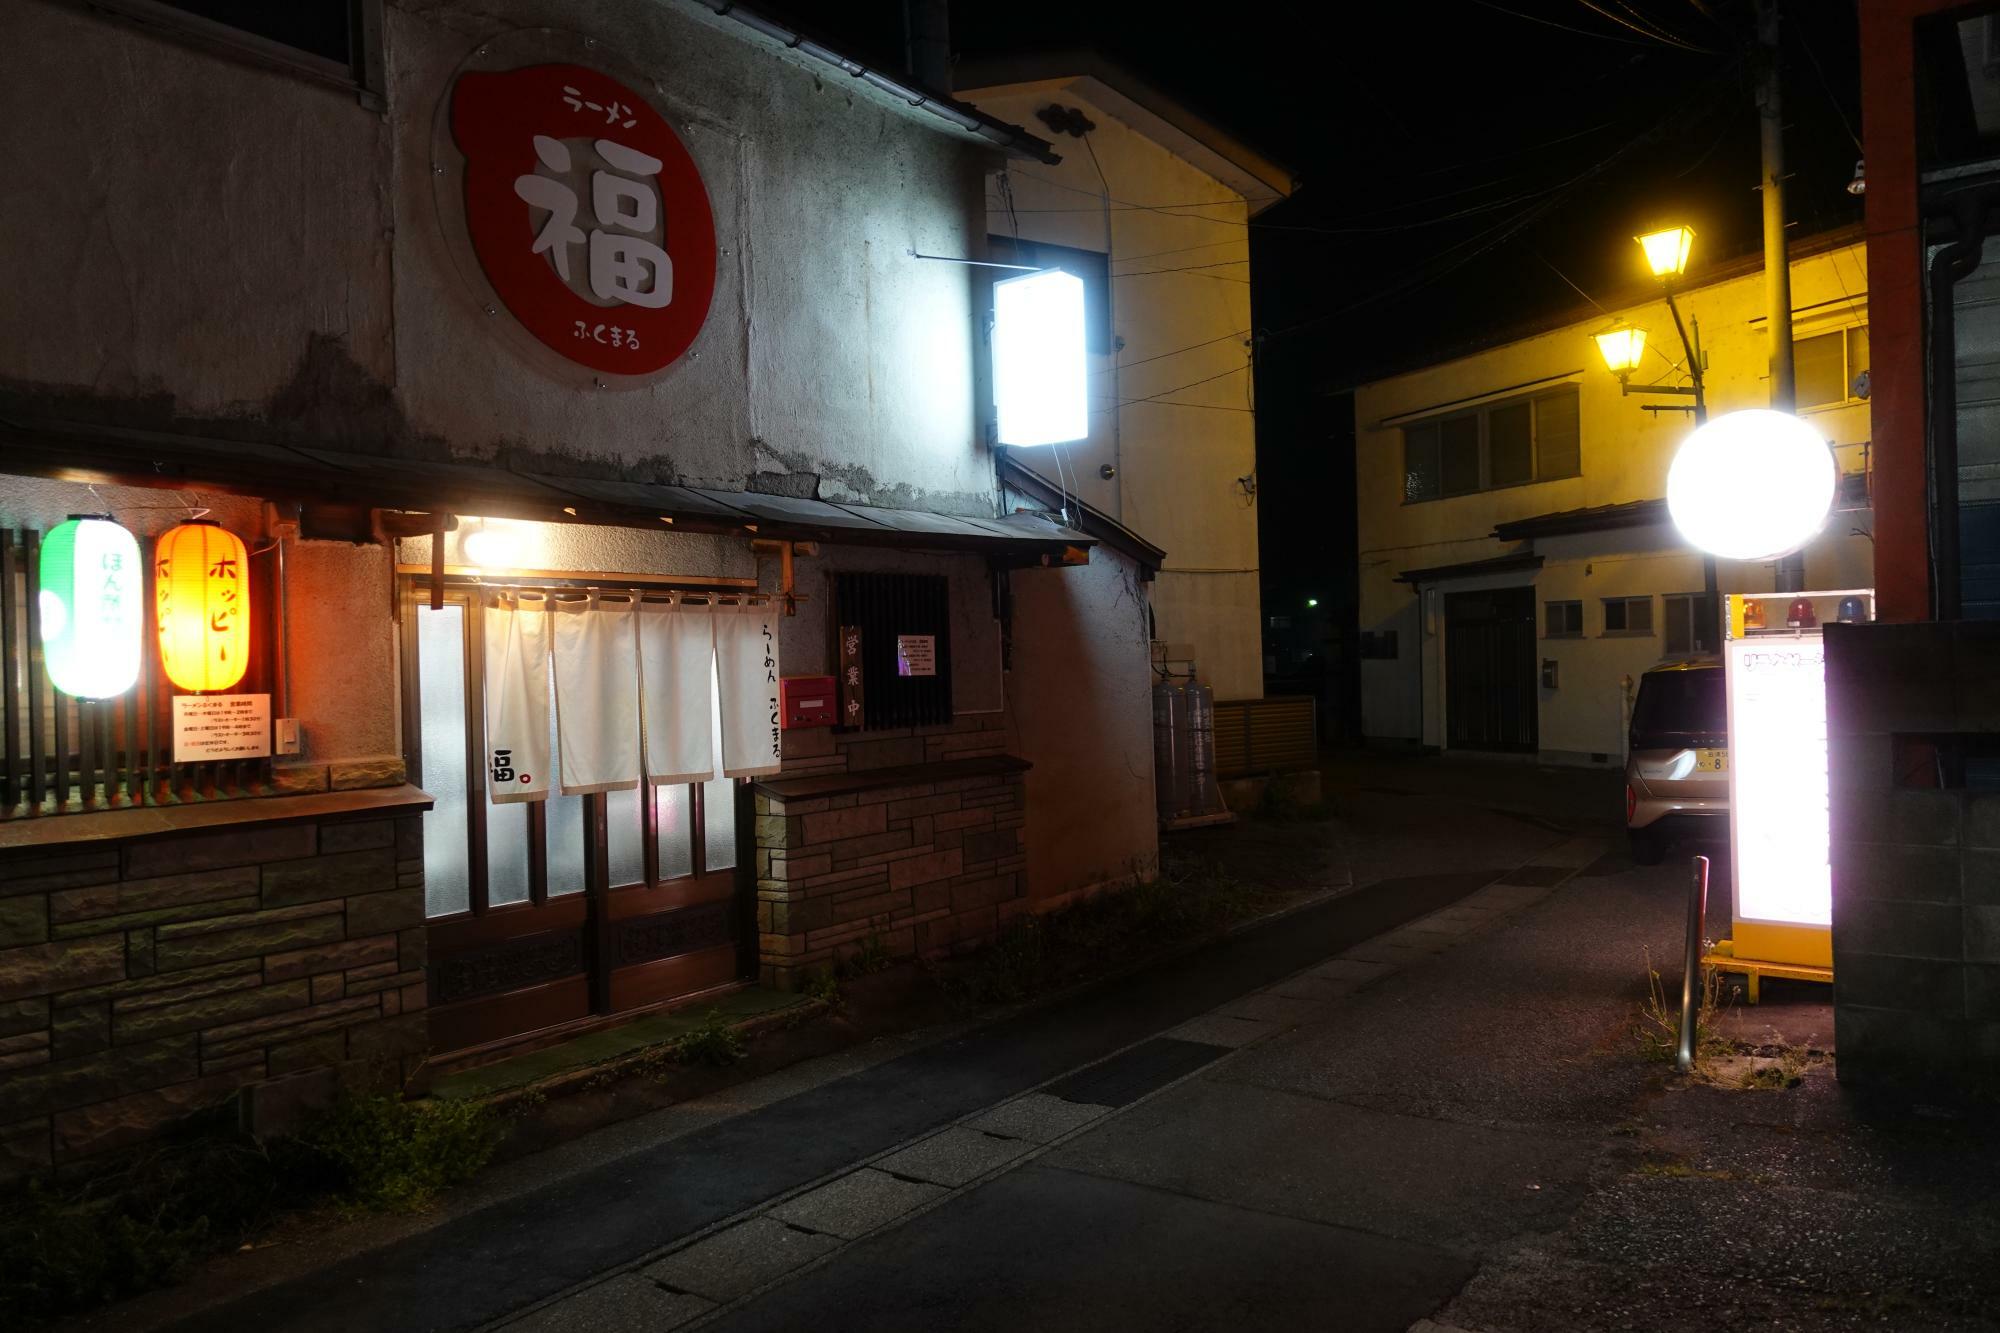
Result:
x=807 y=701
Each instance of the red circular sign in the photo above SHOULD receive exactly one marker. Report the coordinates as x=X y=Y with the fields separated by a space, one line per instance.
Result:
x=587 y=214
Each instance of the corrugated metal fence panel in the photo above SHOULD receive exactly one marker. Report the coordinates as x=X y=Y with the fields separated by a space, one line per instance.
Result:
x=1273 y=735
x=1232 y=738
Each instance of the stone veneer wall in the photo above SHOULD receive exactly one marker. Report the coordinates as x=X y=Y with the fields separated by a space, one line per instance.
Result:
x=915 y=836
x=144 y=981
x=1916 y=866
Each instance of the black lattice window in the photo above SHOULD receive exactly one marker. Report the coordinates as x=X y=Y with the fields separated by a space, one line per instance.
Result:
x=905 y=626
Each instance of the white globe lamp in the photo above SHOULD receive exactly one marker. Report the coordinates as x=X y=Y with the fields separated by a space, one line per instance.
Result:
x=1752 y=485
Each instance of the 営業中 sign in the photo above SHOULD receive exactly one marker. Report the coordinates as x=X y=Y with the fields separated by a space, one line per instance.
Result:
x=221 y=726
x=587 y=214
x=916 y=654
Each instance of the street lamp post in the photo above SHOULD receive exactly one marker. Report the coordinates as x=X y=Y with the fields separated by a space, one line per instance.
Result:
x=1667 y=256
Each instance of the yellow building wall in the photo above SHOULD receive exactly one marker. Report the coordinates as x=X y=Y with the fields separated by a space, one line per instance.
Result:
x=1625 y=453
x=1176 y=463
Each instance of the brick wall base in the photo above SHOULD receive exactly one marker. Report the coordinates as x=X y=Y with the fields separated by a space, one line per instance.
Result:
x=926 y=859
x=145 y=980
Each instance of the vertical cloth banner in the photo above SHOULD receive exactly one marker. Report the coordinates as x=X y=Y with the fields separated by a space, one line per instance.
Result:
x=676 y=677
x=597 y=693
x=517 y=696
x=746 y=668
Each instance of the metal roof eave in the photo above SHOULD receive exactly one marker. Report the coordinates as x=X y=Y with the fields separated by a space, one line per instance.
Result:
x=1468 y=569
x=108 y=455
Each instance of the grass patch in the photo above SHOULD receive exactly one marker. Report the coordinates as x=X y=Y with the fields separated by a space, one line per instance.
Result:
x=146 y=1218
x=1280 y=805
x=1036 y=953
x=377 y=1151
x=712 y=1042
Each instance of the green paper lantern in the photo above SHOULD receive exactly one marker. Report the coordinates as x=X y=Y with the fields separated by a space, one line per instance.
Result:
x=92 y=615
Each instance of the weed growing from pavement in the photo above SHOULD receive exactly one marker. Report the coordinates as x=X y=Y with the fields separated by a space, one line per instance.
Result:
x=146 y=1218
x=1658 y=1029
x=870 y=956
x=711 y=1042
x=1034 y=953
x=824 y=986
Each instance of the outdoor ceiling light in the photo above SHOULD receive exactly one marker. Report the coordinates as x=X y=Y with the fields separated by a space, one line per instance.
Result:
x=1040 y=380
x=494 y=544
x=1751 y=485
x=1621 y=348
x=1667 y=251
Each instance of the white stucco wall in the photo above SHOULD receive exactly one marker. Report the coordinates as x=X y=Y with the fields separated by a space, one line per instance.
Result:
x=1183 y=334
x=1625 y=456
x=211 y=239
x=1081 y=695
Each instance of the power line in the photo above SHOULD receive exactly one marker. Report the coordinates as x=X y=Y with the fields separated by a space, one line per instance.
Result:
x=1654 y=35
x=1581 y=32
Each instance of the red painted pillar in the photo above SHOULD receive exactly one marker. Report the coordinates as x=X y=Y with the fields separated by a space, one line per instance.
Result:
x=1895 y=306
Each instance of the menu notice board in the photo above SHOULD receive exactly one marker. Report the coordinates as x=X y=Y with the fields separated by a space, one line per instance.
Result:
x=916 y=654
x=221 y=726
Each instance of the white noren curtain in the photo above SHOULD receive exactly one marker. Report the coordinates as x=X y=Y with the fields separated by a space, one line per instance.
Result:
x=746 y=665
x=676 y=652
x=517 y=697
x=597 y=693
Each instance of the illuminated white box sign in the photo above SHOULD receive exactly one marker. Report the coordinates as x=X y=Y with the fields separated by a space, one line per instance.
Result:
x=1040 y=380
x=1778 y=784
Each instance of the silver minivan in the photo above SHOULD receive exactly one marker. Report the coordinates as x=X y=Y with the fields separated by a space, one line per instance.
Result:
x=1677 y=762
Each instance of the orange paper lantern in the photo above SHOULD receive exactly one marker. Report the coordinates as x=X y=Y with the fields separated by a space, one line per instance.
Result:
x=201 y=588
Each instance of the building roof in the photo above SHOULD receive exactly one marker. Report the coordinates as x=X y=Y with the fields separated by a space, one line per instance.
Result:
x=934 y=104
x=1140 y=104
x=1595 y=518
x=1093 y=521
x=1469 y=569
x=1852 y=494
x=1443 y=349
x=68 y=451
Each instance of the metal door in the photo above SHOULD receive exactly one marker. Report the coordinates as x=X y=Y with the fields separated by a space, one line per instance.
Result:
x=1489 y=673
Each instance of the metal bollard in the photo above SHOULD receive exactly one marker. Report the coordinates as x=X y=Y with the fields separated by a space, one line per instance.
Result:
x=1691 y=975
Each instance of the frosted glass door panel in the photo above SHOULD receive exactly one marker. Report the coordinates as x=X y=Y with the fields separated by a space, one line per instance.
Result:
x=718 y=806
x=624 y=837
x=441 y=710
x=506 y=853
x=676 y=820
x=565 y=827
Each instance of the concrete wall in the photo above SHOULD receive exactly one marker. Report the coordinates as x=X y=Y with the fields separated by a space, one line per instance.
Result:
x=219 y=248
x=1176 y=466
x=1625 y=455
x=318 y=287
x=1081 y=691
x=1916 y=865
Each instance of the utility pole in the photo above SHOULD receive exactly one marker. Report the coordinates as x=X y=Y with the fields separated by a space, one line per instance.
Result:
x=1777 y=268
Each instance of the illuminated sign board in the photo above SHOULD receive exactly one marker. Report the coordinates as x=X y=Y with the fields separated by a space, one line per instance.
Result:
x=1040 y=379
x=1778 y=783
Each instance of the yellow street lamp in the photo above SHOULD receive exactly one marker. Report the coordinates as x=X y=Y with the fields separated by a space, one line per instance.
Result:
x=1667 y=251
x=1622 y=349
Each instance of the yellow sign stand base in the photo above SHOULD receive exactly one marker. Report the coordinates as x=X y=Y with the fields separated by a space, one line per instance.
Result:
x=1723 y=958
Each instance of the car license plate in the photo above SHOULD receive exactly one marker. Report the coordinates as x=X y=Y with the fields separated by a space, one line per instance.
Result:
x=1711 y=761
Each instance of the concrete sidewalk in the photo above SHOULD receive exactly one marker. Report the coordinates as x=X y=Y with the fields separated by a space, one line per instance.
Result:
x=1470 y=1140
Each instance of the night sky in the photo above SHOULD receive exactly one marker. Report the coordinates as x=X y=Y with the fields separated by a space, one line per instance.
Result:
x=1466 y=166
